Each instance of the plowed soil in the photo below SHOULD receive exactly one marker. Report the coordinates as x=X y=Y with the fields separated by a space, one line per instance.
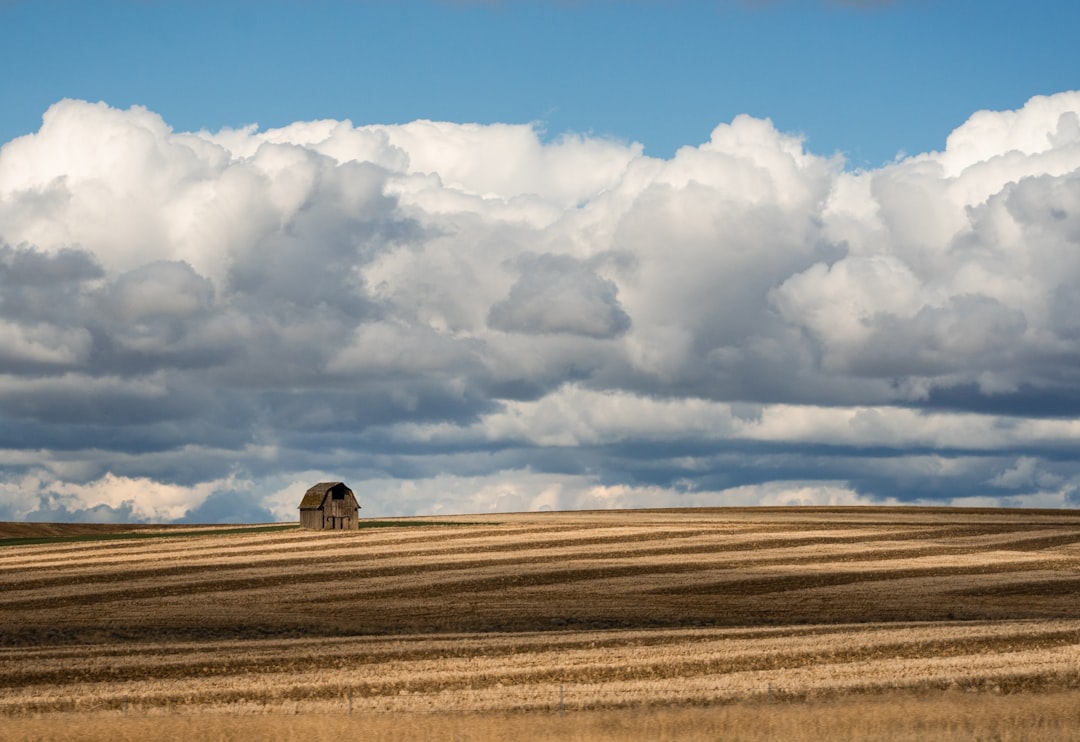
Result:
x=537 y=611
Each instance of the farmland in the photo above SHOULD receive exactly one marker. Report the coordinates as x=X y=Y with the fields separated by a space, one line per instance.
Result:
x=667 y=612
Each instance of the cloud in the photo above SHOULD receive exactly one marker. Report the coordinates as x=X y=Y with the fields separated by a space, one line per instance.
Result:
x=198 y=322
x=558 y=294
x=110 y=498
x=233 y=506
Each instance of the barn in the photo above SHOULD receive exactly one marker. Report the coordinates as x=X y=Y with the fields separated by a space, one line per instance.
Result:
x=330 y=506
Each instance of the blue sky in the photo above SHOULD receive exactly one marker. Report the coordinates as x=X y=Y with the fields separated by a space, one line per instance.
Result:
x=867 y=81
x=482 y=257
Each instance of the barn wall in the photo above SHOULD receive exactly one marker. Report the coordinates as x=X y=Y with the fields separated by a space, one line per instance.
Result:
x=311 y=519
x=343 y=512
x=338 y=513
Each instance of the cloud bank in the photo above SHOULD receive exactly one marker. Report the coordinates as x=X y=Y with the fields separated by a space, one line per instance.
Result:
x=464 y=317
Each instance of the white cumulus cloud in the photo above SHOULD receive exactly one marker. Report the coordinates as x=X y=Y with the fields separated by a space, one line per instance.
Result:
x=541 y=322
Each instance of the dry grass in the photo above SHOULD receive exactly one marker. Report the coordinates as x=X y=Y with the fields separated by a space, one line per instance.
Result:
x=950 y=716
x=864 y=622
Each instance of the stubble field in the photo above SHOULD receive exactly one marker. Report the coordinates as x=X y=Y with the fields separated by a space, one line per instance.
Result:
x=599 y=622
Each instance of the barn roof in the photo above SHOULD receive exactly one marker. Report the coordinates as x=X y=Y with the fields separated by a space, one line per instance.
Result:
x=313 y=498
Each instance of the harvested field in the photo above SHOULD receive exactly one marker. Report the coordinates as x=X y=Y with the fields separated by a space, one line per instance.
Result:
x=546 y=612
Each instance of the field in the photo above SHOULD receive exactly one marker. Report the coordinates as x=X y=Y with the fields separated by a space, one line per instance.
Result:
x=700 y=623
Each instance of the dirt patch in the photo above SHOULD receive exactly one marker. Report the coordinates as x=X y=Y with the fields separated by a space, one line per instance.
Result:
x=49 y=530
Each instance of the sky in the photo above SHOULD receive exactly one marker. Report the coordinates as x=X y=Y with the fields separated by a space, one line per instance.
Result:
x=476 y=257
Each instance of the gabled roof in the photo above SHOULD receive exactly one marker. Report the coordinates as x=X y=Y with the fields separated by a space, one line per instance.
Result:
x=314 y=497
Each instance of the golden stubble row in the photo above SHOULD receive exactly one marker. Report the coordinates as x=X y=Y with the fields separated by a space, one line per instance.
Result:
x=429 y=568
x=519 y=672
x=101 y=625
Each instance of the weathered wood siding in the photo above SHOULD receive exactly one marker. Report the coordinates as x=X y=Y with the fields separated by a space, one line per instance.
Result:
x=311 y=519
x=330 y=506
x=340 y=515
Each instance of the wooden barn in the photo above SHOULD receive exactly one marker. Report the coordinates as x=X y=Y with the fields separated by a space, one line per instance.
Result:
x=330 y=506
